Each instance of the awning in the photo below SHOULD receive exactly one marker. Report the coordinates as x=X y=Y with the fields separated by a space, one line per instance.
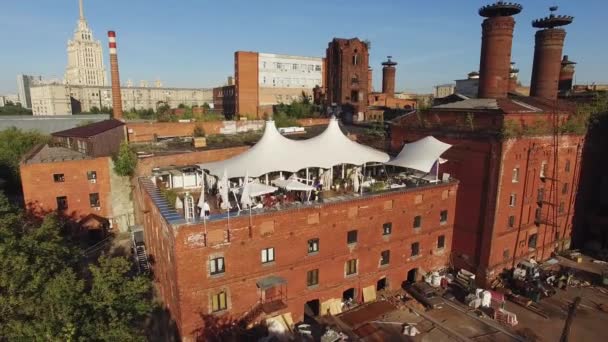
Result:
x=270 y=281
x=275 y=153
x=256 y=189
x=420 y=155
x=292 y=185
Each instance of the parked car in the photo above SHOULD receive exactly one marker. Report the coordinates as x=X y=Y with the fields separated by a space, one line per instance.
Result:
x=425 y=294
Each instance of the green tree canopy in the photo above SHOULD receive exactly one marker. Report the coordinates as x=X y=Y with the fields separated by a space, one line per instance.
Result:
x=125 y=161
x=14 y=144
x=10 y=108
x=47 y=295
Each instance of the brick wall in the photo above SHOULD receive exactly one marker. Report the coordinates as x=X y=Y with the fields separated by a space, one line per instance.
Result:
x=145 y=131
x=40 y=191
x=288 y=232
x=246 y=75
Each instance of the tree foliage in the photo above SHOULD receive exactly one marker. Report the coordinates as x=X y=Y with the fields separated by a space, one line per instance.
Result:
x=125 y=161
x=47 y=295
x=10 y=108
x=14 y=144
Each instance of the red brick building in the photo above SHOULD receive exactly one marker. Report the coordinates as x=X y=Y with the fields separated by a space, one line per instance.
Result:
x=347 y=79
x=73 y=175
x=279 y=262
x=518 y=178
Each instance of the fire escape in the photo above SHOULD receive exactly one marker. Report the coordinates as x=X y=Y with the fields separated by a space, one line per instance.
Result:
x=139 y=252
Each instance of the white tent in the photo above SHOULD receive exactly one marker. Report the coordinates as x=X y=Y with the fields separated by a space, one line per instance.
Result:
x=276 y=153
x=420 y=155
x=292 y=185
x=246 y=193
x=223 y=191
x=255 y=189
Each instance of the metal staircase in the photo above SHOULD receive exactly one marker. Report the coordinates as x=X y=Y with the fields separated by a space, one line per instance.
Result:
x=139 y=252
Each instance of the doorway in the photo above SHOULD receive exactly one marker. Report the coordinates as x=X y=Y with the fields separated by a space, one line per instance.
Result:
x=311 y=308
x=382 y=284
x=348 y=294
x=412 y=275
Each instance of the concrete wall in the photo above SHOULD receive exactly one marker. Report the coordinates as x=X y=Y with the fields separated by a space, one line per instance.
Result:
x=182 y=253
x=121 y=198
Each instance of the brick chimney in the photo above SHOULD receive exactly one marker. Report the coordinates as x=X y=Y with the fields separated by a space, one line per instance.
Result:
x=566 y=75
x=116 y=96
x=496 y=42
x=388 y=77
x=549 y=43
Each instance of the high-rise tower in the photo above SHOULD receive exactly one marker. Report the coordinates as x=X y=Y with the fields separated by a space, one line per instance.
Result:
x=496 y=43
x=549 y=43
x=388 y=77
x=85 y=56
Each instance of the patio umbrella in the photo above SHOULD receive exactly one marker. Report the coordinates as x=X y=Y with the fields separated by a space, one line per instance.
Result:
x=223 y=190
x=327 y=181
x=178 y=203
x=201 y=200
x=292 y=185
x=354 y=176
x=246 y=192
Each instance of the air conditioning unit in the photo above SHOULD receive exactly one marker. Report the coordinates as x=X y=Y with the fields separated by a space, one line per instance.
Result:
x=93 y=180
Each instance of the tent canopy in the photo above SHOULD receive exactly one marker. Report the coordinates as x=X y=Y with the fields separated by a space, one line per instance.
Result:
x=255 y=189
x=420 y=155
x=292 y=185
x=274 y=152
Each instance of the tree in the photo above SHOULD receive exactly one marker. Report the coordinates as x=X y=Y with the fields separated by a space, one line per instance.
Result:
x=46 y=293
x=206 y=106
x=10 y=108
x=125 y=161
x=14 y=144
x=199 y=131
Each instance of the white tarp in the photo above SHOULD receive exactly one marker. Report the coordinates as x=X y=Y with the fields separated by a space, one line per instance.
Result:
x=420 y=155
x=255 y=189
x=274 y=152
x=292 y=185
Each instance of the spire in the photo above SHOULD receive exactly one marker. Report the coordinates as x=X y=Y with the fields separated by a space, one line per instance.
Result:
x=81 y=7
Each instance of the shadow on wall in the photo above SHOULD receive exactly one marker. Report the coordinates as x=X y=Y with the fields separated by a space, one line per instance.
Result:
x=160 y=327
x=224 y=328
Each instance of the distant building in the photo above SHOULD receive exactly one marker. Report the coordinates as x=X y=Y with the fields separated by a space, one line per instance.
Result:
x=61 y=99
x=85 y=57
x=74 y=175
x=48 y=124
x=469 y=86
x=262 y=80
x=347 y=79
x=24 y=82
x=4 y=99
x=444 y=90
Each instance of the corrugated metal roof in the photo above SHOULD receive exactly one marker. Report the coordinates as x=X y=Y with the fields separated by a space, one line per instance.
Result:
x=89 y=130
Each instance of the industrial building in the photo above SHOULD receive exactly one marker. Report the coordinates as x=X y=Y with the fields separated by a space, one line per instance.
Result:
x=517 y=162
x=262 y=80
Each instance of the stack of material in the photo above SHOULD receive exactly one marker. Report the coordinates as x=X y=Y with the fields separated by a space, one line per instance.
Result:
x=505 y=317
x=465 y=279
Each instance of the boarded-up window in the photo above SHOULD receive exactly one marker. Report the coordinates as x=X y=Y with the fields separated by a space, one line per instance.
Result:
x=445 y=194
x=215 y=236
x=313 y=218
x=388 y=205
x=353 y=212
x=418 y=199
x=267 y=228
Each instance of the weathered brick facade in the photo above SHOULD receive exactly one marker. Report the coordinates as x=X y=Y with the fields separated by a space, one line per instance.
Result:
x=486 y=239
x=347 y=73
x=182 y=253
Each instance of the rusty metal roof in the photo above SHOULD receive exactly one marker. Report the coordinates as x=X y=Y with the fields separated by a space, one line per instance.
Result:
x=89 y=130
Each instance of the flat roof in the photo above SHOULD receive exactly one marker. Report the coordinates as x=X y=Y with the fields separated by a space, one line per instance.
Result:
x=90 y=129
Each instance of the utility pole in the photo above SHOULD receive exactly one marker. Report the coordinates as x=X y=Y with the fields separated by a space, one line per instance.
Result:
x=571 y=312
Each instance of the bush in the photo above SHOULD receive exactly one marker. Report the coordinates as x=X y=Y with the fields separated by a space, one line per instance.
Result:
x=199 y=131
x=125 y=161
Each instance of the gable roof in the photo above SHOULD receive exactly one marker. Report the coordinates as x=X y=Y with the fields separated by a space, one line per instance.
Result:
x=89 y=130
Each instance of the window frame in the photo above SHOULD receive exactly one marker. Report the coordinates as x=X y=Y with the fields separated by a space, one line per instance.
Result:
x=387 y=228
x=313 y=243
x=268 y=254
x=97 y=203
x=416 y=249
x=349 y=237
x=515 y=176
x=216 y=302
x=533 y=238
x=214 y=263
x=441 y=242
x=312 y=277
x=512 y=200
x=351 y=267
x=511 y=221
x=442 y=219
x=64 y=200
x=565 y=188
x=567 y=166
x=417 y=222
x=91 y=175
x=385 y=257
x=59 y=177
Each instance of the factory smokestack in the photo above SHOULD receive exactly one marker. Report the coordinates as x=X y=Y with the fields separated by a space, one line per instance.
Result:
x=388 y=77
x=116 y=96
x=566 y=75
x=549 y=43
x=496 y=42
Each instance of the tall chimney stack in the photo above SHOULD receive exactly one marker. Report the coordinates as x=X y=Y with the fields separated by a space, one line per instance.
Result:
x=388 y=77
x=566 y=75
x=116 y=96
x=549 y=43
x=370 y=85
x=496 y=42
